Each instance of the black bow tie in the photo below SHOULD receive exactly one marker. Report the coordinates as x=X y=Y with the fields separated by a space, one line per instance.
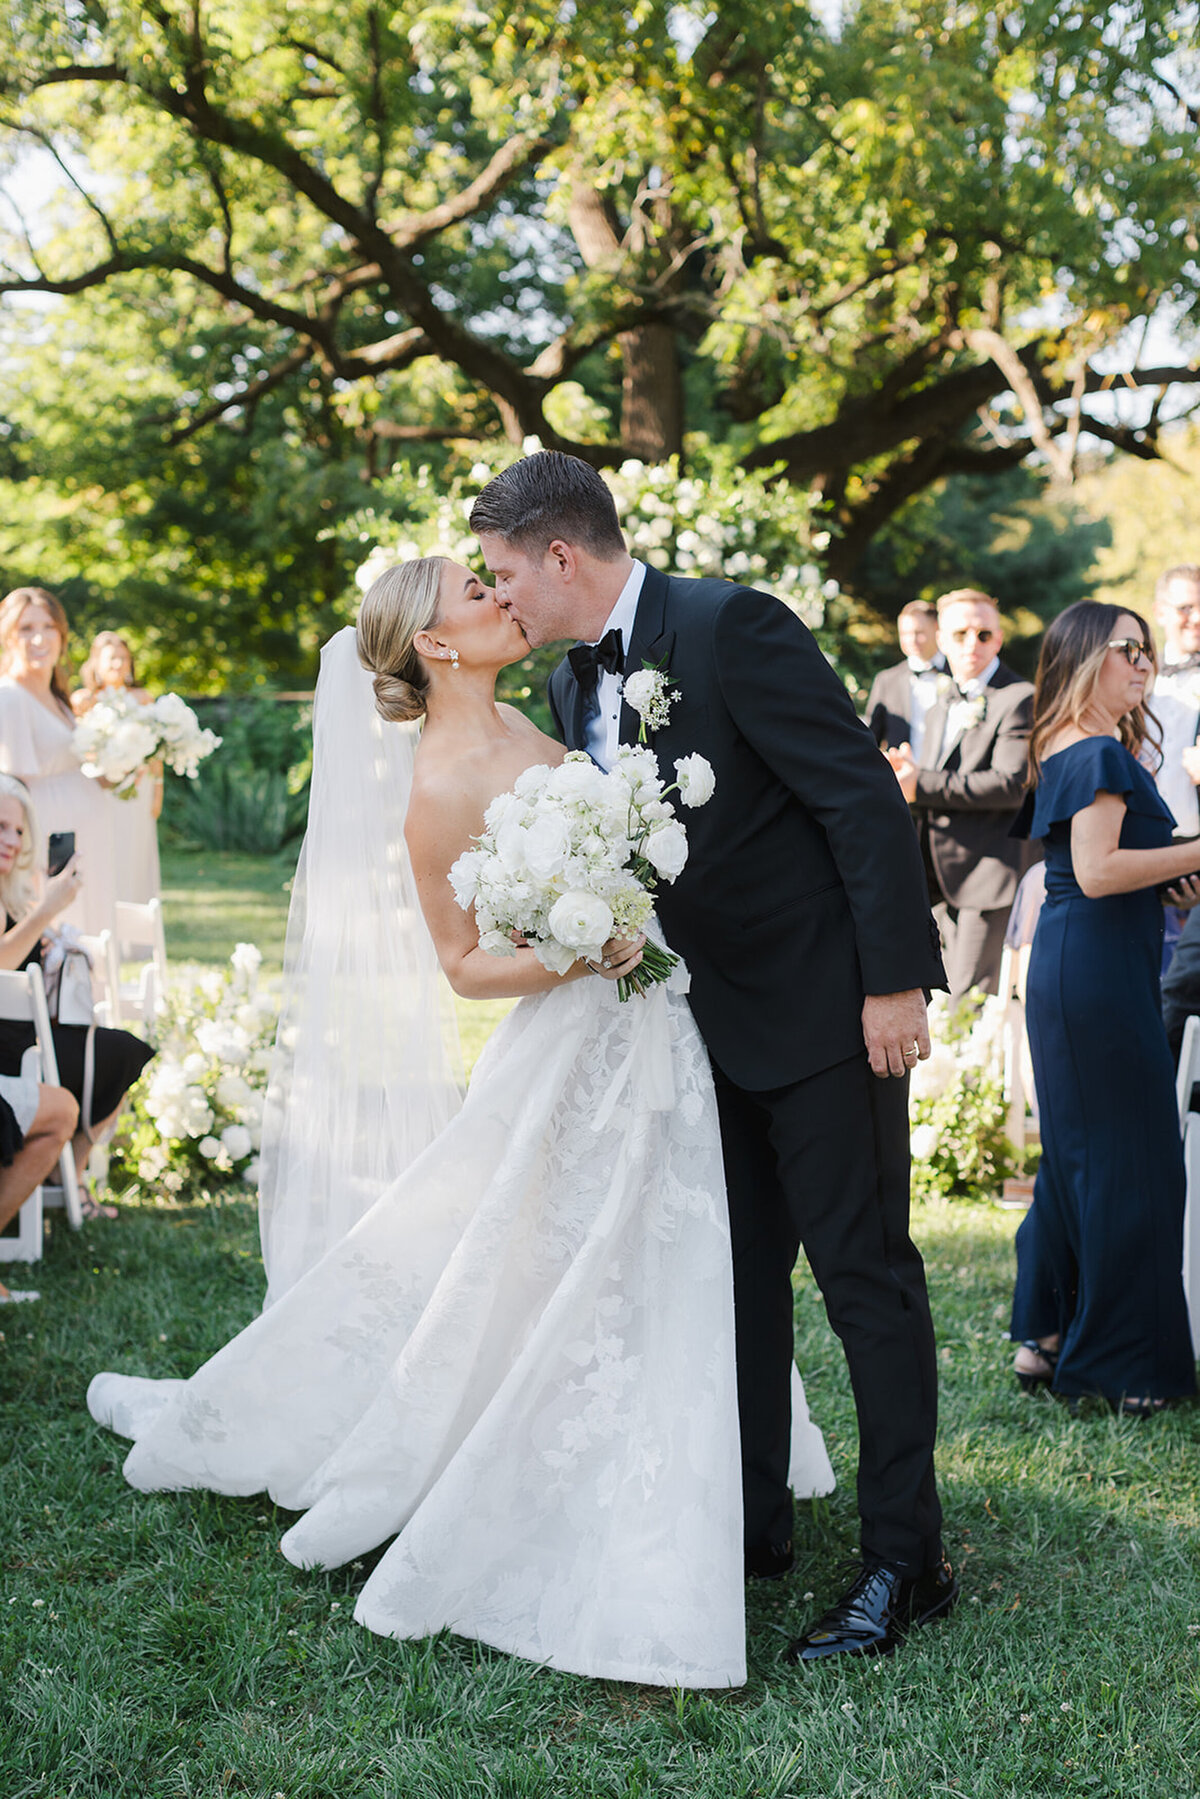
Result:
x=587 y=660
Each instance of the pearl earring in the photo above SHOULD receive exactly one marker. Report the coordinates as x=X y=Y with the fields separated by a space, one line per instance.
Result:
x=454 y=659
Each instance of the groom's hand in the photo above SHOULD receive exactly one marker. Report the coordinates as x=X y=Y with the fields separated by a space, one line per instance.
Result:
x=894 y=1027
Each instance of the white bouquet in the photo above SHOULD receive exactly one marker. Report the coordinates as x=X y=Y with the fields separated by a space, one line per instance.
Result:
x=571 y=857
x=119 y=735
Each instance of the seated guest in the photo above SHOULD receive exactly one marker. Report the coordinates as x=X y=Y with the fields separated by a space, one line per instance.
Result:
x=36 y=1124
x=1181 y=983
x=966 y=787
x=107 y=672
x=900 y=696
x=30 y=905
x=1099 y=1305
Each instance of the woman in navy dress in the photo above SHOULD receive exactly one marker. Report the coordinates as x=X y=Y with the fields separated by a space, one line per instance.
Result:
x=1099 y=1305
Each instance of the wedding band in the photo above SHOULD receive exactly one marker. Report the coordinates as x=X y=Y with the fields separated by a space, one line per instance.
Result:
x=914 y=1052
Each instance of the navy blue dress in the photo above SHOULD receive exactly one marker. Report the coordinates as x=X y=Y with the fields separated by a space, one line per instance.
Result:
x=1099 y=1253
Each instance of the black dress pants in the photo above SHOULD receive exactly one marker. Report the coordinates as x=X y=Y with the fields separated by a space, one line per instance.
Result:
x=824 y=1164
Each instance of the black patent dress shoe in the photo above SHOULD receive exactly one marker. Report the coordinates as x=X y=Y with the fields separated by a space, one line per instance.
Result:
x=769 y=1561
x=874 y=1614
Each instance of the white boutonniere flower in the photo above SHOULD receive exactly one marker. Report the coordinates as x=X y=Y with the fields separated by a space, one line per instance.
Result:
x=651 y=694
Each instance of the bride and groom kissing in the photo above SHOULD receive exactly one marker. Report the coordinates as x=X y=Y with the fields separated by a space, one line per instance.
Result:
x=521 y=1362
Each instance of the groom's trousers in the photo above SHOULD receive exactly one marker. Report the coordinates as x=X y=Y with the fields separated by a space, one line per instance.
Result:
x=824 y=1164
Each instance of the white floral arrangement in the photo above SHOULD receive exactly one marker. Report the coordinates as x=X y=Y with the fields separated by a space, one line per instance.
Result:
x=197 y=1110
x=957 y=1110
x=572 y=856
x=119 y=735
x=650 y=693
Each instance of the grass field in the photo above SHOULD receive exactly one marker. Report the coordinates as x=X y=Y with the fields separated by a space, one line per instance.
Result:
x=159 y=1646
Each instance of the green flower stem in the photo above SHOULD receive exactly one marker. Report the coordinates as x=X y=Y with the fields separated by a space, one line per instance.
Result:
x=655 y=965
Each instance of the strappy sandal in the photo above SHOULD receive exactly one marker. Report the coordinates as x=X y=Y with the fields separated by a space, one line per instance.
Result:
x=1140 y=1408
x=91 y=1207
x=1029 y=1381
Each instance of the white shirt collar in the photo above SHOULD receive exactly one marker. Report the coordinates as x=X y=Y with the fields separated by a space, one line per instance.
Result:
x=625 y=611
x=974 y=688
x=918 y=666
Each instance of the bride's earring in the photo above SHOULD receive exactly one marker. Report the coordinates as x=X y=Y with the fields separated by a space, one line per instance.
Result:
x=454 y=659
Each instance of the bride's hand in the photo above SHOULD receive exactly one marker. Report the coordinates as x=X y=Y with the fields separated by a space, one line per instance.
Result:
x=619 y=957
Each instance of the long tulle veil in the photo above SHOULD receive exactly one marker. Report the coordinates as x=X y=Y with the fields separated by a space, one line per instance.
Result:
x=366 y=1070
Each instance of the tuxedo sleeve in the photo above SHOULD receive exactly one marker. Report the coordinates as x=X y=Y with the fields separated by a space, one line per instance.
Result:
x=997 y=788
x=876 y=715
x=795 y=714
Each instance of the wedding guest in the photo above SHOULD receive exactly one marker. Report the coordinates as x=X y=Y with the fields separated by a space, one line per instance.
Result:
x=36 y=1124
x=1175 y=702
x=965 y=788
x=32 y=903
x=900 y=696
x=36 y=726
x=109 y=672
x=1099 y=1305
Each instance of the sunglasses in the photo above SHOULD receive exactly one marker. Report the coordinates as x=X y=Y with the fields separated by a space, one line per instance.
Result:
x=1133 y=650
x=984 y=636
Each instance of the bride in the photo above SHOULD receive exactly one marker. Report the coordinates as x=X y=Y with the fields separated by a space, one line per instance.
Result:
x=516 y=1369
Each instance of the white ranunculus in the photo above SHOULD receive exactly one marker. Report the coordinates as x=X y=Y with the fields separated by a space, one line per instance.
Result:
x=577 y=778
x=497 y=943
x=209 y=1148
x=922 y=1142
x=547 y=846
x=581 y=921
x=554 y=956
x=697 y=782
x=666 y=850
x=530 y=782
x=237 y=1141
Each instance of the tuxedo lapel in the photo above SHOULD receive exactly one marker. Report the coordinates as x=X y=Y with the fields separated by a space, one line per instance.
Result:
x=649 y=642
x=935 y=730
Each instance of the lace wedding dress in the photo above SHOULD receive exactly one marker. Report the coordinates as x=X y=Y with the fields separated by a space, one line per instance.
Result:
x=518 y=1365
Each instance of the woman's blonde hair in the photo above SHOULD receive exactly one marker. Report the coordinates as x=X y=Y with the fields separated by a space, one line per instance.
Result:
x=402 y=602
x=11 y=607
x=1073 y=653
x=19 y=887
x=88 y=675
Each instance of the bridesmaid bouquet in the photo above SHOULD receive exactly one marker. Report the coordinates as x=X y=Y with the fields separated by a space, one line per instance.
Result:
x=572 y=857
x=118 y=736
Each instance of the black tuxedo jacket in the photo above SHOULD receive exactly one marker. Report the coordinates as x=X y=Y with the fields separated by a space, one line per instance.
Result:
x=968 y=797
x=804 y=887
x=889 y=706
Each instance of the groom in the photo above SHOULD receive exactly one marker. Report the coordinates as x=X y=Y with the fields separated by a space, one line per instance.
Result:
x=804 y=918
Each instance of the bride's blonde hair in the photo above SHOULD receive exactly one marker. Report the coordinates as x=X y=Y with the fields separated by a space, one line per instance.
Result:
x=402 y=602
x=20 y=886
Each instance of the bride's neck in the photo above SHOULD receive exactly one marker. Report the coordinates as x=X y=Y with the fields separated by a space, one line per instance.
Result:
x=462 y=702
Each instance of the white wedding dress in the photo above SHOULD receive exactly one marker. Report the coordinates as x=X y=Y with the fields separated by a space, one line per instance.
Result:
x=519 y=1365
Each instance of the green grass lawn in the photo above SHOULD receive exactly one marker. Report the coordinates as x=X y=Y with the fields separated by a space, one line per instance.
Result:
x=159 y=1646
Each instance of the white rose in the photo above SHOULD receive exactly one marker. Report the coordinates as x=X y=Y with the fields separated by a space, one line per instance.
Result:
x=547 y=846
x=237 y=1141
x=209 y=1148
x=666 y=850
x=696 y=780
x=577 y=778
x=581 y=921
x=497 y=943
x=922 y=1142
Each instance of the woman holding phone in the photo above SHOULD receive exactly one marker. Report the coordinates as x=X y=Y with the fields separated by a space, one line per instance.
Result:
x=36 y=746
x=32 y=905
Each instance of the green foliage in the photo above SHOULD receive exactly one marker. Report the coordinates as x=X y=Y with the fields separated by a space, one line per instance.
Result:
x=252 y=794
x=960 y=1143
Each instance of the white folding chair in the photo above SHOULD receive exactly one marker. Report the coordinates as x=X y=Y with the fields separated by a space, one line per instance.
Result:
x=1189 y=1123
x=140 y=938
x=106 y=977
x=23 y=1000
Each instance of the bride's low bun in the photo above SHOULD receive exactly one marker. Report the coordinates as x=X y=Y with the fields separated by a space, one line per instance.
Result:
x=397 y=700
x=402 y=602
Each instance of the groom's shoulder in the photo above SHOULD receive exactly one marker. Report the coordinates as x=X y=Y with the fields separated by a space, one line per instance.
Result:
x=712 y=593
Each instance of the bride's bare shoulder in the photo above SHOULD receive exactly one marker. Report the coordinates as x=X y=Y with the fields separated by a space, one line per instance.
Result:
x=545 y=749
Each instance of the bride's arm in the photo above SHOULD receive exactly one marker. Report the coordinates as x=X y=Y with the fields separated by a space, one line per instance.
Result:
x=439 y=827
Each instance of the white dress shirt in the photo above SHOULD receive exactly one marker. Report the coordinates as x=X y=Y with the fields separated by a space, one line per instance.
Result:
x=601 y=734
x=922 y=692
x=963 y=713
x=1175 y=703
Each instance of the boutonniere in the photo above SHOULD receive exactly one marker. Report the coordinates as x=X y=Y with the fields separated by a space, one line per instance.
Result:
x=974 y=711
x=651 y=693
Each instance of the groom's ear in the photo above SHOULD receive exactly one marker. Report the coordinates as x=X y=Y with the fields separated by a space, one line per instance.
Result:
x=563 y=559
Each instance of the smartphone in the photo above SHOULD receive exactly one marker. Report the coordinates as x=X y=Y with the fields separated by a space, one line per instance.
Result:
x=62 y=848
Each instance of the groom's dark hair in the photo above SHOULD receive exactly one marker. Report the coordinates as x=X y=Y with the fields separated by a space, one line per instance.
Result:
x=547 y=496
